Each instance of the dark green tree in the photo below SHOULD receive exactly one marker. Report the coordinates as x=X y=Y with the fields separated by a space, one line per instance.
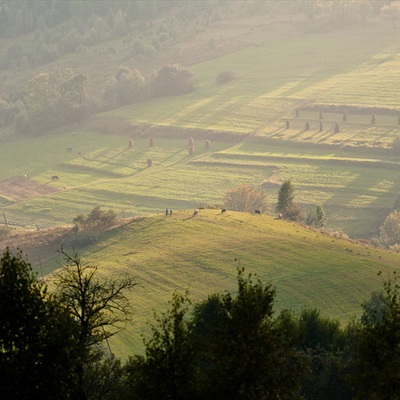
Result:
x=286 y=205
x=325 y=345
x=167 y=371
x=38 y=351
x=377 y=348
x=245 y=354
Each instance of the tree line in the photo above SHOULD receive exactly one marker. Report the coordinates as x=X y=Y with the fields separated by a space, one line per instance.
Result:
x=228 y=346
x=52 y=99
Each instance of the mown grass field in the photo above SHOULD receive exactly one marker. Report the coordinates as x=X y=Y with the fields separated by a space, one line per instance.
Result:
x=202 y=253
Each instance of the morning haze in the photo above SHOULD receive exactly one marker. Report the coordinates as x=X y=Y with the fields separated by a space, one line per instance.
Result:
x=177 y=142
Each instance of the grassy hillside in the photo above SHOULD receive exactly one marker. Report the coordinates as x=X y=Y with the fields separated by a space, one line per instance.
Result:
x=201 y=253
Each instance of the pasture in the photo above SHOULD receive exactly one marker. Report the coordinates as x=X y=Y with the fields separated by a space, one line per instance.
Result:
x=352 y=173
x=202 y=253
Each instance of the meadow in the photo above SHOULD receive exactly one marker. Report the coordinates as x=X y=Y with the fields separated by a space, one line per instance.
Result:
x=351 y=173
x=201 y=254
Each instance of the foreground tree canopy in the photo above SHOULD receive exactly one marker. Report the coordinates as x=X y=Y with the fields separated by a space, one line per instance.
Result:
x=225 y=347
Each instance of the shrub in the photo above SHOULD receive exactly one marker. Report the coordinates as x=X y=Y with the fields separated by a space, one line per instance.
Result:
x=96 y=219
x=224 y=76
x=293 y=213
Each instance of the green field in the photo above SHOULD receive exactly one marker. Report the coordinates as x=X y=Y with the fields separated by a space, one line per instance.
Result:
x=351 y=173
x=202 y=254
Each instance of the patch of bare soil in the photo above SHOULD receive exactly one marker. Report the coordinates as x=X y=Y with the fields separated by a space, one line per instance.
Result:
x=19 y=188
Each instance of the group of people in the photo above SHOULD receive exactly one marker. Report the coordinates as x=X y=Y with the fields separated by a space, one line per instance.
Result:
x=168 y=212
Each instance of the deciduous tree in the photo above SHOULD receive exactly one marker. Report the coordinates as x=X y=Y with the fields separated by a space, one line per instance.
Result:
x=246 y=198
x=99 y=306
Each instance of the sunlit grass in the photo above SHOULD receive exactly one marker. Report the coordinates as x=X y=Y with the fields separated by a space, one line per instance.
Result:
x=202 y=254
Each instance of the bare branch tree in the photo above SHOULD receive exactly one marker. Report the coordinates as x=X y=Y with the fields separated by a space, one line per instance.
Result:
x=99 y=306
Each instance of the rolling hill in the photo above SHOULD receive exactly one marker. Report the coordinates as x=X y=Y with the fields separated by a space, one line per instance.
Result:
x=201 y=254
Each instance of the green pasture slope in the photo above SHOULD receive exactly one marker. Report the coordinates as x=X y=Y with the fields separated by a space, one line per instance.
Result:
x=351 y=173
x=202 y=253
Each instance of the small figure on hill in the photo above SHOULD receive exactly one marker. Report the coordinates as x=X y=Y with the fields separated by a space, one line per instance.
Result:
x=280 y=216
x=287 y=124
x=170 y=212
x=166 y=212
x=307 y=126
x=257 y=212
x=373 y=119
x=223 y=210
x=337 y=128
x=195 y=212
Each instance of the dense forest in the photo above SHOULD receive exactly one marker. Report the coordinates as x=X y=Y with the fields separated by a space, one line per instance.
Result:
x=54 y=344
